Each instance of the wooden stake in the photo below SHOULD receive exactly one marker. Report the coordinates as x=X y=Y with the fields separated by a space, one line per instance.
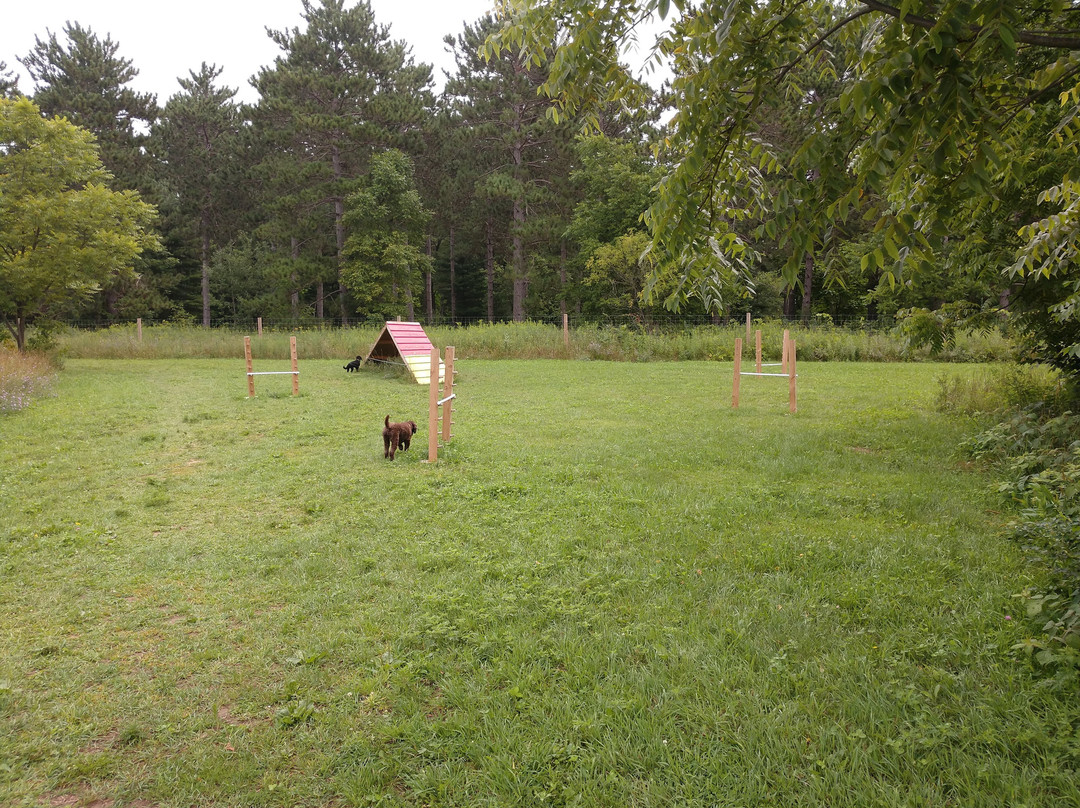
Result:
x=784 y=352
x=295 y=373
x=138 y=327
x=738 y=368
x=757 y=350
x=433 y=408
x=250 y=378
x=260 y=326
x=747 y=328
x=793 y=406
x=566 y=330
x=448 y=390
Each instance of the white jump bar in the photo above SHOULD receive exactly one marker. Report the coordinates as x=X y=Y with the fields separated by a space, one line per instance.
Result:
x=276 y=373
x=444 y=400
x=782 y=375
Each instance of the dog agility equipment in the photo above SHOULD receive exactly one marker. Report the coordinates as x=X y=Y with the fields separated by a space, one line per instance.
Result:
x=787 y=366
x=435 y=403
x=295 y=373
x=406 y=343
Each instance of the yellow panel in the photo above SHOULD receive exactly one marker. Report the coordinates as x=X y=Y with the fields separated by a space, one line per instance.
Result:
x=420 y=368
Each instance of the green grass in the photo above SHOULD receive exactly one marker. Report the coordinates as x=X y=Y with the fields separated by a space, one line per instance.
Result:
x=612 y=590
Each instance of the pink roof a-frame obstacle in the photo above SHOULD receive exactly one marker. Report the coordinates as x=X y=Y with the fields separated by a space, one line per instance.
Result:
x=406 y=342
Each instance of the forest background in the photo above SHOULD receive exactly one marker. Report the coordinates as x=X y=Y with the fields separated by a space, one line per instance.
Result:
x=350 y=191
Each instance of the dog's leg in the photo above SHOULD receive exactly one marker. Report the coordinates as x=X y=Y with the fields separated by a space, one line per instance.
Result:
x=386 y=446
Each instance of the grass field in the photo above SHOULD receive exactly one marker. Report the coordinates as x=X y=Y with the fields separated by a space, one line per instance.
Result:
x=612 y=590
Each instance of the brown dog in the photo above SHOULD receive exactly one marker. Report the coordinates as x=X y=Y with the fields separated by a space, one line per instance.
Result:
x=394 y=435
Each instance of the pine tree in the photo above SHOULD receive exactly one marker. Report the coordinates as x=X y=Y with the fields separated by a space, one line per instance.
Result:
x=341 y=91
x=197 y=142
x=9 y=82
x=85 y=80
x=498 y=100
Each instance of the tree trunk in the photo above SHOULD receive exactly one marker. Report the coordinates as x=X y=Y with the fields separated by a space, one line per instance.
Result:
x=18 y=332
x=204 y=225
x=410 y=312
x=808 y=285
x=521 y=287
x=489 y=265
x=429 y=299
x=453 y=280
x=562 y=277
x=339 y=235
x=294 y=296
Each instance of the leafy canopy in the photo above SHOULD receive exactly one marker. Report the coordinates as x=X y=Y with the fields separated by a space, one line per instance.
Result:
x=937 y=109
x=63 y=232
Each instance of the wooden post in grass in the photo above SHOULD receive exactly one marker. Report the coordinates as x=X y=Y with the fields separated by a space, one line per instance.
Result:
x=738 y=374
x=433 y=408
x=260 y=326
x=295 y=370
x=247 y=357
x=792 y=405
x=747 y=328
x=138 y=327
x=448 y=393
x=566 y=330
x=757 y=350
x=783 y=351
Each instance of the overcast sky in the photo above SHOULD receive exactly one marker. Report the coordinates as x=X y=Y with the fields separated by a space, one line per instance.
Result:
x=166 y=40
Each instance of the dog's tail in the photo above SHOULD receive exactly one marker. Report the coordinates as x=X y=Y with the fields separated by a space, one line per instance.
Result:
x=388 y=422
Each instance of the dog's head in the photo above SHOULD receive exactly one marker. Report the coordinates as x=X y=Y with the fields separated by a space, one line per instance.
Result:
x=412 y=426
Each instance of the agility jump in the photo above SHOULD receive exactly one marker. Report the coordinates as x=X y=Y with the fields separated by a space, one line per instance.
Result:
x=787 y=366
x=437 y=403
x=295 y=373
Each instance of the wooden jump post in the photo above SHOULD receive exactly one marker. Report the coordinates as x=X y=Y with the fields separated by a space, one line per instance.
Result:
x=787 y=365
x=295 y=373
x=446 y=403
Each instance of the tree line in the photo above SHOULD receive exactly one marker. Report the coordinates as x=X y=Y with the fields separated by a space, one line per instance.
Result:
x=352 y=190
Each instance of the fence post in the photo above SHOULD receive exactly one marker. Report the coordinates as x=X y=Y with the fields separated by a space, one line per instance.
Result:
x=747 y=328
x=433 y=408
x=738 y=369
x=247 y=357
x=566 y=330
x=295 y=370
x=138 y=327
x=448 y=391
x=791 y=377
x=784 y=352
x=260 y=326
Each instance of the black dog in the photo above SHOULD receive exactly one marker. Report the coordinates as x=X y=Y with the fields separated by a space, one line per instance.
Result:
x=394 y=435
x=353 y=365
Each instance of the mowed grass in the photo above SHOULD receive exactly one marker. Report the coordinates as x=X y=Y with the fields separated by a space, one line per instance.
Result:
x=612 y=590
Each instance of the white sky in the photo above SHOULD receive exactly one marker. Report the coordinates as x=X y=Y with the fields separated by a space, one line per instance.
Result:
x=166 y=40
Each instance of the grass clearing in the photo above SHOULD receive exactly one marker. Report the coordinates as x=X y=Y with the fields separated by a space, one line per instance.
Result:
x=611 y=590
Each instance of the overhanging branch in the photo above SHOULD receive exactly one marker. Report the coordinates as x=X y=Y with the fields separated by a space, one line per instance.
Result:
x=1066 y=40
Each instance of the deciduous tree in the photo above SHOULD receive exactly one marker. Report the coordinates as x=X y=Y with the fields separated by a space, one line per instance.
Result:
x=64 y=232
x=941 y=104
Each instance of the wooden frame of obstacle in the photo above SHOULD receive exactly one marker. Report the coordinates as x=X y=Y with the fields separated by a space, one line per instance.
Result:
x=295 y=373
x=445 y=403
x=787 y=366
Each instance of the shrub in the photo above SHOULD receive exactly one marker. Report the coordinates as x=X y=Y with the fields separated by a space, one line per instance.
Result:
x=1039 y=455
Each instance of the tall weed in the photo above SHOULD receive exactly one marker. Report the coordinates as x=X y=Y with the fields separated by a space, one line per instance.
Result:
x=23 y=377
x=532 y=340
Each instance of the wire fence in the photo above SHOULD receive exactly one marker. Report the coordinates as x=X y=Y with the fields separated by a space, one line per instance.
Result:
x=651 y=323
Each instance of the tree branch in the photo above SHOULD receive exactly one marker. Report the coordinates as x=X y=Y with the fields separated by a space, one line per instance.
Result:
x=1067 y=40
